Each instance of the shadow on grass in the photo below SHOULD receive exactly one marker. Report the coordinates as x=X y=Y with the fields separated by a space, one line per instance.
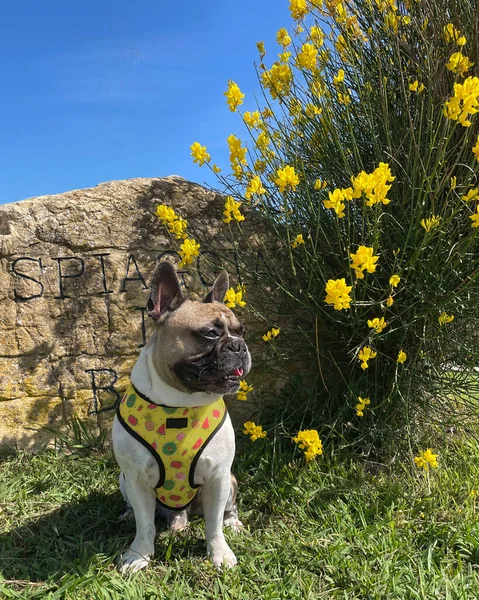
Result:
x=75 y=537
x=65 y=540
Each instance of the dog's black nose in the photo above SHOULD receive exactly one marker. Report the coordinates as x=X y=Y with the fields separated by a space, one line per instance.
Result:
x=237 y=345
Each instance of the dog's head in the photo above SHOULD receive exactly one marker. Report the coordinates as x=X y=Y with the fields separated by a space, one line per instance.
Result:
x=199 y=345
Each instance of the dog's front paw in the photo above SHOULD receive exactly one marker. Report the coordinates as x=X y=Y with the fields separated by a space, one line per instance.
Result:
x=132 y=561
x=221 y=555
x=232 y=522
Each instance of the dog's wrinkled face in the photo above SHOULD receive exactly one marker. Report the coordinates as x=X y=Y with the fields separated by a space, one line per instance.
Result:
x=200 y=345
x=204 y=347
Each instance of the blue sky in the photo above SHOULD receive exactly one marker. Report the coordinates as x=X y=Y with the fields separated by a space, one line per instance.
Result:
x=94 y=91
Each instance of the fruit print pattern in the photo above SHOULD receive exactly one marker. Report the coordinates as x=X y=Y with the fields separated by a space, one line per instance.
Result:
x=175 y=447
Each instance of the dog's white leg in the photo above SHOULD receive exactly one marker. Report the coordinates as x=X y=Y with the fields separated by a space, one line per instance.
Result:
x=143 y=500
x=216 y=492
x=127 y=513
x=230 y=518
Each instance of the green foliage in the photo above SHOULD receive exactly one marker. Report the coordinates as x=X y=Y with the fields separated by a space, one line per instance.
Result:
x=80 y=436
x=376 y=103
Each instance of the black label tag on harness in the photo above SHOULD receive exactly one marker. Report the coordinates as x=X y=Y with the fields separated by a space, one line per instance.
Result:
x=176 y=423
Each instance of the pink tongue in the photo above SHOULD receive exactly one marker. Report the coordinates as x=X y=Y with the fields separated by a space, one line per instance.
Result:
x=238 y=372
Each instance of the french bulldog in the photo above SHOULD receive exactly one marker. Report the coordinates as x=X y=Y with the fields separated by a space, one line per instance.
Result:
x=172 y=435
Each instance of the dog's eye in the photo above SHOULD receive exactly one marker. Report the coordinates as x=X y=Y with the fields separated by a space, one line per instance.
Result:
x=211 y=334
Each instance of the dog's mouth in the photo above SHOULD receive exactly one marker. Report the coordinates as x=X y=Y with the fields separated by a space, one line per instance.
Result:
x=236 y=374
x=205 y=379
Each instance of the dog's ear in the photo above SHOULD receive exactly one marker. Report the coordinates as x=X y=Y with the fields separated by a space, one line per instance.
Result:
x=165 y=292
x=219 y=288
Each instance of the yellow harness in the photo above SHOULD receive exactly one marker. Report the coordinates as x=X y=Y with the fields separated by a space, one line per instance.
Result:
x=176 y=437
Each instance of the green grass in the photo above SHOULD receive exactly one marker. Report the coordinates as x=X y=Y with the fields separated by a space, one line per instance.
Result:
x=339 y=528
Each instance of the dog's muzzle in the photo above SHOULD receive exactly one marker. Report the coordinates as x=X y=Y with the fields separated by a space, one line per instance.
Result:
x=218 y=371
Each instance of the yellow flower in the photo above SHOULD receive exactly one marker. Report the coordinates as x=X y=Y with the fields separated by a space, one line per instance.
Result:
x=176 y=225
x=366 y=353
x=475 y=149
x=337 y=293
x=232 y=210
x=344 y=98
x=320 y=185
x=262 y=142
x=254 y=431
x=189 y=250
x=475 y=218
x=426 y=459
x=451 y=34
x=378 y=324
x=298 y=9
x=458 y=63
x=401 y=359
x=238 y=171
x=165 y=213
x=453 y=182
x=445 y=318
x=233 y=298
x=286 y=177
x=216 y=169
x=272 y=333
x=360 y=407
x=234 y=97
x=316 y=35
x=465 y=101
x=237 y=151
x=283 y=38
x=373 y=185
x=244 y=390
x=363 y=260
x=245 y=387
x=306 y=59
x=339 y=78
x=431 y=223
x=471 y=195
x=199 y=154
x=260 y=165
x=391 y=21
x=341 y=47
x=390 y=301
x=309 y=441
x=394 y=280
x=278 y=80
x=295 y=107
x=311 y=110
x=252 y=119
x=335 y=202
x=317 y=88
x=178 y=228
x=297 y=241
x=261 y=50
x=416 y=87
x=255 y=187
